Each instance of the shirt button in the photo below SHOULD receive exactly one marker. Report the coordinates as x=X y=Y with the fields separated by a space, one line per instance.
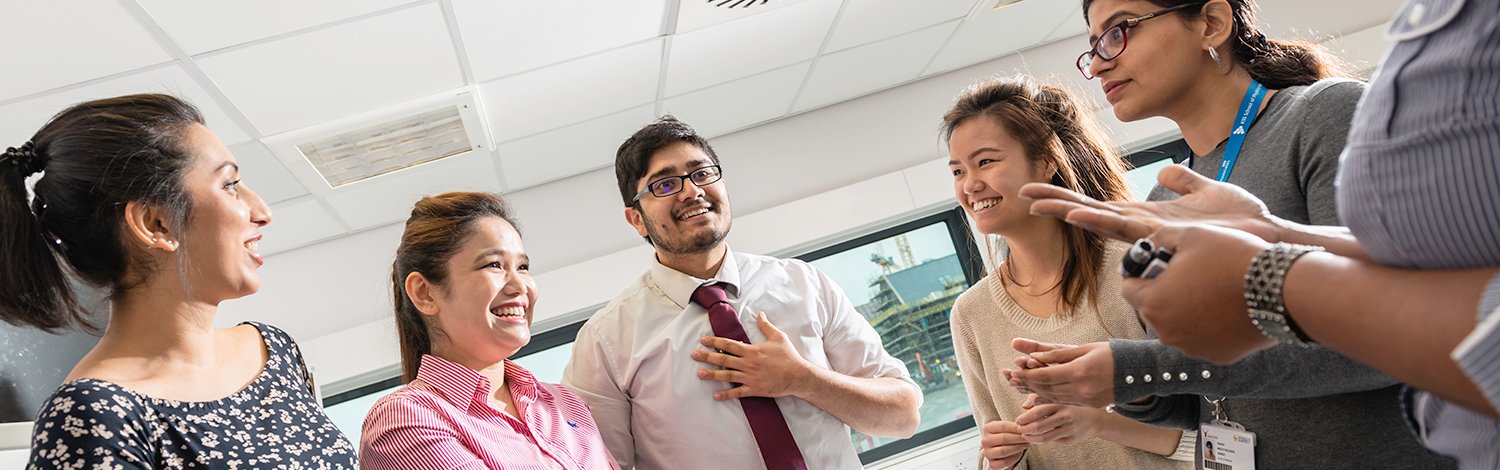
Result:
x=1166 y=376
x=1417 y=12
x=1129 y=379
x=1206 y=375
x=1182 y=376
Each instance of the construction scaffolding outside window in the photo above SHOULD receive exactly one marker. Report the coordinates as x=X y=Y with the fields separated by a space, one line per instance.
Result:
x=904 y=281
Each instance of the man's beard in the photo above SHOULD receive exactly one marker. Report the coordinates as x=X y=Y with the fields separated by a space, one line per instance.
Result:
x=696 y=243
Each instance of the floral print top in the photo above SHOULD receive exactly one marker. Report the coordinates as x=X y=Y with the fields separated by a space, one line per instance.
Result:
x=274 y=422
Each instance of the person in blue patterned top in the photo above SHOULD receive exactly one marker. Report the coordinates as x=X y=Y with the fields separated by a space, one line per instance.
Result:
x=139 y=198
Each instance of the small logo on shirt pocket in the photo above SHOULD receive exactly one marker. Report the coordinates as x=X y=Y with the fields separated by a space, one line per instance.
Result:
x=573 y=425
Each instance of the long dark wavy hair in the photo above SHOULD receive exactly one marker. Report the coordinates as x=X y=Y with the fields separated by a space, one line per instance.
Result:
x=94 y=157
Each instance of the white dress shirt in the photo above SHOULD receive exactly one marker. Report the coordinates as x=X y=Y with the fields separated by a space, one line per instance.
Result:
x=631 y=364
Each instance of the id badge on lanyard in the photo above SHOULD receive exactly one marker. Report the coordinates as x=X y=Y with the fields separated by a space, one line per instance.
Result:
x=1225 y=444
x=1248 y=107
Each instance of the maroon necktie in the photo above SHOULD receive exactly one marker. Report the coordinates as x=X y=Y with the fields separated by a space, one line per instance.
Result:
x=773 y=436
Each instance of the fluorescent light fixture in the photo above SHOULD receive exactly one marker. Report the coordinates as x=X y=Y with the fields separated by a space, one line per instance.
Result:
x=387 y=147
x=383 y=142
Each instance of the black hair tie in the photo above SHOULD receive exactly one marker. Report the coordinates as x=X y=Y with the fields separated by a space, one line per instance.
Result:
x=26 y=159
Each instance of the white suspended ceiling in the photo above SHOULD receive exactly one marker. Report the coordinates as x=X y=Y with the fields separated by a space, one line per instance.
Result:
x=559 y=84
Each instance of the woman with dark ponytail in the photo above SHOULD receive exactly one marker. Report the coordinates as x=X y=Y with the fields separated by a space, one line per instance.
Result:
x=139 y=199
x=464 y=296
x=1271 y=117
x=1055 y=281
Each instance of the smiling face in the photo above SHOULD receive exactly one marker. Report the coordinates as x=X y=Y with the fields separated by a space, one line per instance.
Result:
x=695 y=219
x=989 y=167
x=221 y=237
x=482 y=312
x=1163 y=56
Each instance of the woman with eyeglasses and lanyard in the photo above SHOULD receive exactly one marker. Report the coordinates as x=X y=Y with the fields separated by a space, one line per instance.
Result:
x=1269 y=117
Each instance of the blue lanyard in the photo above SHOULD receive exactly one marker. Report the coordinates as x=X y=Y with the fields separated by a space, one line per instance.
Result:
x=1248 y=106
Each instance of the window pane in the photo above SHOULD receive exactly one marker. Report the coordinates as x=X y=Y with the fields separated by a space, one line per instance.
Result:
x=905 y=286
x=547 y=365
x=349 y=416
x=1142 y=179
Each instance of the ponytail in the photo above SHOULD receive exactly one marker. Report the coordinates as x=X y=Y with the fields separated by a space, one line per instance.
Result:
x=34 y=291
x=94 y=157
x=1279 y=64
x=415 y=338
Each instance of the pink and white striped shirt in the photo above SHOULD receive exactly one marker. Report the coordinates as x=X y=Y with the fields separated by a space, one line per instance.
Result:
x=443 y=420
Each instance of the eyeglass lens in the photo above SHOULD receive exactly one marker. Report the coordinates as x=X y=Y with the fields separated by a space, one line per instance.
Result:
x=668 y=186
x=1108 y=47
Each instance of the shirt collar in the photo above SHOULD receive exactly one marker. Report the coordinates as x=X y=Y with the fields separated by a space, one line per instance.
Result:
x=463 y=387
x=679 y=287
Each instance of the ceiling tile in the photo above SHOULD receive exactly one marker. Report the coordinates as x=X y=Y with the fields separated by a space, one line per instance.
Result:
x=1071 y=25
x=265 y=174
x=339 y=71
x=745 y=47
x=864 y=21
x=205 y=26
x=50 y=45
x=388 y=198
x=568 y=151
x=18 y=121
x=572 y=92
x=863 y=69
x=296 y=224
x=990 y=33
x=721 y=109
x=695 y=15
x=503 y=38
x=1316 y=21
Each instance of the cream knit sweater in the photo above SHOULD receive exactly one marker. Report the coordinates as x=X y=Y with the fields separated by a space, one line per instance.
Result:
x=985 y=319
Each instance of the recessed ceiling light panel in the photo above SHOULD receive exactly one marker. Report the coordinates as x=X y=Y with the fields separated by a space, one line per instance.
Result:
x=384 y=141
x=391 y=146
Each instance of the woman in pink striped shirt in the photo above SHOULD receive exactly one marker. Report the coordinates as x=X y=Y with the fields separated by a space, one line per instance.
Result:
x=464 y=296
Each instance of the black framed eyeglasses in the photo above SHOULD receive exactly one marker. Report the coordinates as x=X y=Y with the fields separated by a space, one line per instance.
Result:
x=669 y=185
x=1112 y=43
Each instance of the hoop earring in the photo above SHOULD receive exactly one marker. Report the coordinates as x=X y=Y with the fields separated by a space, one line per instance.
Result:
x=1214 y=54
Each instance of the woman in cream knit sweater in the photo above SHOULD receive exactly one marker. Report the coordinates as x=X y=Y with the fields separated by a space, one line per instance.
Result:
x=1056 y=283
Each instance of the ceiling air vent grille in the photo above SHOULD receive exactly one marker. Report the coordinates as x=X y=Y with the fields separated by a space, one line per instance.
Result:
x=387 y=147
x=737 y=3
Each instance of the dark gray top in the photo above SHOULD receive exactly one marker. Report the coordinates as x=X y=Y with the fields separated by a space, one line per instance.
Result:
x=1421 y=187
x=1309 y=406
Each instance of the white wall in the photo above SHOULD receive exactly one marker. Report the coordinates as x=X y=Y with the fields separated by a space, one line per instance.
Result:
x=15 y=439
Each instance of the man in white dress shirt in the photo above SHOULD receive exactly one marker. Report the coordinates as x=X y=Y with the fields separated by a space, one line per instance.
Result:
x=666 y=390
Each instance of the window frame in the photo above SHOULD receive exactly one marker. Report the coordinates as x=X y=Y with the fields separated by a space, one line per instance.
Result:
x=972 y=263
x=1176 y=149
